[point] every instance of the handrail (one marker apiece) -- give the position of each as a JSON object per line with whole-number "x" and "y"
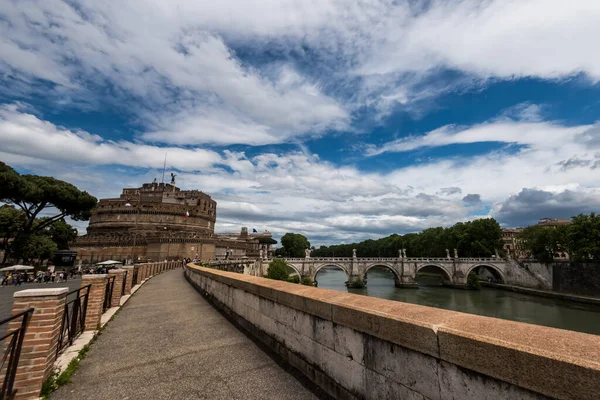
{"x": 12, "y": 352}
{"x": 73, "y": 321}
{"x": 110, "y": 285}
{"x": 124, "y": 285}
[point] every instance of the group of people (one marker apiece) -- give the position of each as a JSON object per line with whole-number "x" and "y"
{"x": 13, "y": 278}
{"x": 18, "y": 278}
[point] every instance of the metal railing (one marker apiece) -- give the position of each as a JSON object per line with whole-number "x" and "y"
{"x": 134, "y": 278}
{"x": 12, "y": 342}
{"x": 110, "y": 285}
{"x": 124, "y": 285}
{"x": 73, "y": 320}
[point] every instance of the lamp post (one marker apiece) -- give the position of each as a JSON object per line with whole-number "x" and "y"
{"x": 135, "y": 230}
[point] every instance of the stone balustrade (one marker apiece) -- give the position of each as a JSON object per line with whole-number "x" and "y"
{"x": 359, "y": 347}
{"x": 40, "y": 344}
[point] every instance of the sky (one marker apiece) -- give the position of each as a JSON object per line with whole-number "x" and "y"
{"x": 340, "y": 119}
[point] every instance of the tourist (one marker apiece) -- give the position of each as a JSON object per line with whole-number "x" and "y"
{"x": 40, "y": 276}
{"x": 53, "y": 277}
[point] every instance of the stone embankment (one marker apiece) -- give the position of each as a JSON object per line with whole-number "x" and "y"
{"x": 366, "y": 348}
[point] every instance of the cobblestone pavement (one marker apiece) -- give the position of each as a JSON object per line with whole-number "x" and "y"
{"x": 167, "y": 342}
{"x": 6, "y": 293}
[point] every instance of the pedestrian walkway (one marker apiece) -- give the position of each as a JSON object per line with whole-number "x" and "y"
{"x": 167, "y": 342}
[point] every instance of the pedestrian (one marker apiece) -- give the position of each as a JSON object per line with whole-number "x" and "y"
{"x": 53, "y": 277}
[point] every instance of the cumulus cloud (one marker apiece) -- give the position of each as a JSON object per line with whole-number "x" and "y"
{"x": 531, "y": 204}
{"x": 24, "y": 135}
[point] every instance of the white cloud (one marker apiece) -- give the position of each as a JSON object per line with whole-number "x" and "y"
{"x": 25, "y": 135}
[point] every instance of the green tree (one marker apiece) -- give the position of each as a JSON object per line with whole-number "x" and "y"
{"x": 543, "y": 243}
{"x": 35, "y": 247}
{"x": 294, "y": 244}
{"x": 62, "y": 234}
{"x": 583, "y": 237}
{"x": 33, "y": 194}
{"x": 278, "y": 270}
{"x": 11, "y": 222}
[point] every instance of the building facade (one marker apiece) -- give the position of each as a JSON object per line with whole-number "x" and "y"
{"x": 158, "y": 221}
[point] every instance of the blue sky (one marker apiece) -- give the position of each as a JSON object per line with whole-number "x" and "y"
{"x": 342, "y": 120}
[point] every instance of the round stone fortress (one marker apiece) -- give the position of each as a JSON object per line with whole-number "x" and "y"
{"x": 158, "y": 221}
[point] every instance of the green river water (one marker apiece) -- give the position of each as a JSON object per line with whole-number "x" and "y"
{"x": 489, "y": 302}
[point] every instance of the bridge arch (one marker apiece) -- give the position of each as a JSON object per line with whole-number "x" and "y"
{"x": 493, "y": 269}
{"x": 384, "y": 265}
{"x": 296, "y": 269}
{"x": 436, "y": 267}
{"x": 318, "y": 267}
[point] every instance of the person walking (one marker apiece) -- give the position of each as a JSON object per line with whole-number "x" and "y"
{"x": 53, "y": 277}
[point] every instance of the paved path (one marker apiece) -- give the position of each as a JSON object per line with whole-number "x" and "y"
{"x": 167, "y": 342}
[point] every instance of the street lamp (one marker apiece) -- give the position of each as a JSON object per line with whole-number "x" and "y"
{"x": 135, "y": 230}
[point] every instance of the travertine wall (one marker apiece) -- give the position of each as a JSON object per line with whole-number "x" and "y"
{"x": 361, "y": 347}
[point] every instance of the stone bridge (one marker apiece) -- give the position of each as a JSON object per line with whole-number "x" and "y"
{"x": 453, "y": 270}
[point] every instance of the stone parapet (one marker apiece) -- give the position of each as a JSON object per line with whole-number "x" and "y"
{"x": 40, "y": 342}
{"x": 361, "y": 347}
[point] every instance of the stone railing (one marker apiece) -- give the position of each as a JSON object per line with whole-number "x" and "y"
{"x": 40, "y": 344}
{"x": 390, "y": 259}
{"x": 361, "y": 347}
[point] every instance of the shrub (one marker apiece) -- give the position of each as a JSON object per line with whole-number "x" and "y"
{"x": 278, "y": 270}
{"x": 307, "y": 281}
{"x": 294, "y": 279}
{"x": 356, "y": 283}
{"x": 473, "y": 280}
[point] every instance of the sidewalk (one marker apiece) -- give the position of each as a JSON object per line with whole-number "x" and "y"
{"x": 167, "y": 342}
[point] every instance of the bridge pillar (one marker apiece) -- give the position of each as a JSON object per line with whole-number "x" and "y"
{"x": 408, "y": 278}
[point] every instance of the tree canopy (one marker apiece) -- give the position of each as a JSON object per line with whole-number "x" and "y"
{"x": 33, "y": 194}
{"x": 294, "y": 245}
{"x": 27, "y": 198}
{"x": 478, "y": 238}
{"x": 580, "y": 239}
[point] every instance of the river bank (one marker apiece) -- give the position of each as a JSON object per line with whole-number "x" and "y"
{"x": 544, "y": 293}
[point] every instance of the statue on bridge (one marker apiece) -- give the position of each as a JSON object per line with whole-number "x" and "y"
{"x": 400, "y": 254}
{"x": 353, "y": 253}
{"x": 448, "y": 254}
{"x": 404, "y": 252}
{"x": 307, "y": 253}
{"x": 455, "y": 253}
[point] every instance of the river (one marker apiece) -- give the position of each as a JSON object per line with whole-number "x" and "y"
{"x": 489, "y": 302}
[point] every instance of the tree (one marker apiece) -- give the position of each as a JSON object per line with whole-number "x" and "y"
{"x": 294, "y": 244}
{"x": 11, "y": 221}
{"x": 583, "y": 237}
{"x": 62, "y": 234}
{"x": 543, "y": 243}
{"x": 35, "y": 247}
{"x": 33, "y": 194}
{"x": 278, "y": 270}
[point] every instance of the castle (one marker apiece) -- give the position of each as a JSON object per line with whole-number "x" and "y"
{"x": 159, "y": 221}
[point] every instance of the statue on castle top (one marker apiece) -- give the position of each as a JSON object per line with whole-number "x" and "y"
{"x": 173, "y": 178}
